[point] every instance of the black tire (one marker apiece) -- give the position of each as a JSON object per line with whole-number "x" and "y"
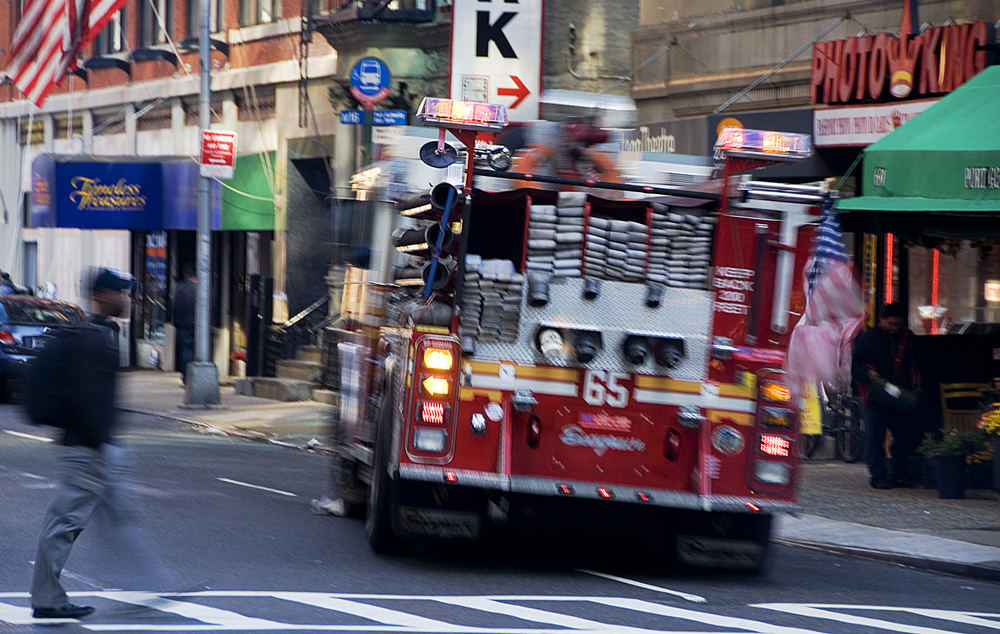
{"x": 851, "y": 434}
{"x": 811, "y": 444}
{"x": 379, "y": 528}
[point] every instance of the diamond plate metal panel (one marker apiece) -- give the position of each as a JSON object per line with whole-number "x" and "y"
{"x": 618, "y": 311}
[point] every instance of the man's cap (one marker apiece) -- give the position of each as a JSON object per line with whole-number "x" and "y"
{"x": 106, "y": 279}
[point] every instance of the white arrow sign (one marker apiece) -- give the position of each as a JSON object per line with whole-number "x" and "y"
{"x": 496, "y": 54}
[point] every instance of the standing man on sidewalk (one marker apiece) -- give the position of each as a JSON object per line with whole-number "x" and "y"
{"x": 885, "y": 367}
{"x": 83, "y": 364}
{"x": 184, "y": 301}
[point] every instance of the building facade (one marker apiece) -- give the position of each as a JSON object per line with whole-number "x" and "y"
{"x": 135, "y": 99}
{"x": 827, "y": 69}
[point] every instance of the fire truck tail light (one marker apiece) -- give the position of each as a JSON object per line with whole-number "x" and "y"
{"x": 565, "y": 489}
{"x": 643, "y": 497}
{"x": 777, "y": 446}
{"x": 605, "y": 493}
{"x": 774, "y": 391}
{"x": 450, "y": 476}
{"x": 772, "y": 473}
{"x": 776, "y": 417}
{"x": 430, "y": 440}
{"x": 432, "y": 413}
{"x": 438, "y": 359}
{"x": 435, "y": 386}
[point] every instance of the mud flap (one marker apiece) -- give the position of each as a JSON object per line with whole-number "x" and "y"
{"x": 715, "y": 552}
{"x": 439, "y": 523}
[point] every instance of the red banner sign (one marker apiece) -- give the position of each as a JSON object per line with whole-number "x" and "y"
{"x": 882, "y": 67}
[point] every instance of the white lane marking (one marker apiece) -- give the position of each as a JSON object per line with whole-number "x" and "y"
{"x": 16, "y": 615}
{"x": 823, "y": 611}
{"x": 204, "y": 613}
{"x": 21, "y": 434}
{"x": 385, "y": 616}
{"x": 485, "y": 604}
{"x": 677, "y": 593}
{"x": 969, "y": 618}
{"x": 256, "y": 486}
{"x": 707, "y": 618}
{"x": 32, "y": 476}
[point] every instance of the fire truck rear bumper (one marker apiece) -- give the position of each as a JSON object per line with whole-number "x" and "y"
{"x": 596, "y": 491}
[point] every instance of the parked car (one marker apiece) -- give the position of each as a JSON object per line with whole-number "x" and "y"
{"x": 26, "y": 324}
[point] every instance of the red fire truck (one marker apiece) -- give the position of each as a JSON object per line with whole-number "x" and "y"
{"x": 556, "y": 359}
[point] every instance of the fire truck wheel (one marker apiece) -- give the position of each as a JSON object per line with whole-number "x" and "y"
{"x": 379, "y": 528}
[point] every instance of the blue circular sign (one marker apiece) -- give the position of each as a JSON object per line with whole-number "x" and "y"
{"x": 370, "y": 80}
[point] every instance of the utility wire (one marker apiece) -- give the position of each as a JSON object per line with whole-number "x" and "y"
{"x": 781, "y": 64}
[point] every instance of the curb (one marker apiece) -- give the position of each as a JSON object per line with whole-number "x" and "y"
{"x": 232, "y": 433}
{"x": 956, "y": 568}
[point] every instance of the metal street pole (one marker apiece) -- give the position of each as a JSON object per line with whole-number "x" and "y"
{"x": 203, "y": 377}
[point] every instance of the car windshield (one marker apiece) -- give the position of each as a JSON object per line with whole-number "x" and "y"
{"x": 39, "y": 312}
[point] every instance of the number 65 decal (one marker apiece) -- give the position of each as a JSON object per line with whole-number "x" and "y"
{"x": 601, "y": 387}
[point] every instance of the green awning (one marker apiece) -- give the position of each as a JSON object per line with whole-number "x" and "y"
{"x": 247, "y": 198}
{"x": 945, "y": 160}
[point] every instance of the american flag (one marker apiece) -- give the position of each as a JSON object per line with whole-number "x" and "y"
{"x": 829, "y": 247}
{"x": 820, "y": 345}
{"x": 49, "y": 38}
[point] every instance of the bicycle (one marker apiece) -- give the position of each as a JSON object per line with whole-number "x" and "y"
{"x": 842, "y": 418}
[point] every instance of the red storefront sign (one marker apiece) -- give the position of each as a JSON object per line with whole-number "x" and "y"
{"x": 883, "y": 67}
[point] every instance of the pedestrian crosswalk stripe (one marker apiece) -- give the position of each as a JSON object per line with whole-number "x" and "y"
{"x": 826, "y": 611}
{"x": 201, "y": 617}
{"x": 486, "y": 604}
{"x": 381, "y": 615}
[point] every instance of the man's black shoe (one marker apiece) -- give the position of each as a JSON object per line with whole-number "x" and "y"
{"x": 880, "y": 484}
{"x": 68, "y": 611}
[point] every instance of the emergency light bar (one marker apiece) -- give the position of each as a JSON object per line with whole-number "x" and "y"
{"x": 777, "y": 145}
{"x": 464, "y": 115}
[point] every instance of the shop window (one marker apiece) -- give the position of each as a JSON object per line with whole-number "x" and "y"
{"x": 216, "y": 17}
{"x": 259, "y": 11}
{"x": 953, "y": 287}
{"x": 112, "y": 38}
{"x": 156, "y": 19}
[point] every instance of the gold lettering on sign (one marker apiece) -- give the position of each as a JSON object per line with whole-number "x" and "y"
{"x": 92, "y": 194}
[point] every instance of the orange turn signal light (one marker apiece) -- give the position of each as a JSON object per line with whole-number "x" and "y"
{"x": 436, "y": 386}
{"x": 438, "y": 359}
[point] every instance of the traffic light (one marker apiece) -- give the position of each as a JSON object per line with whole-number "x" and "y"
{"x": 431, "y": 245}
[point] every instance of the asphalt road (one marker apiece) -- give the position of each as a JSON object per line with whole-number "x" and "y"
{"x": 231, "y": 521}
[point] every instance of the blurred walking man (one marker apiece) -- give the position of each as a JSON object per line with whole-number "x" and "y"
{"x": 83, "y": 405}
{"x": 184, "y": 305}
{"x": 885, "y": 367}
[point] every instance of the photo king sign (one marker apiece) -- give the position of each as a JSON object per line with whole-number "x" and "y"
{"x": 884, "y": 67}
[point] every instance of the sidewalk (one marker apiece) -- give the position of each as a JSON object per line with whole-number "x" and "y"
{"x": 840, "y": 512}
